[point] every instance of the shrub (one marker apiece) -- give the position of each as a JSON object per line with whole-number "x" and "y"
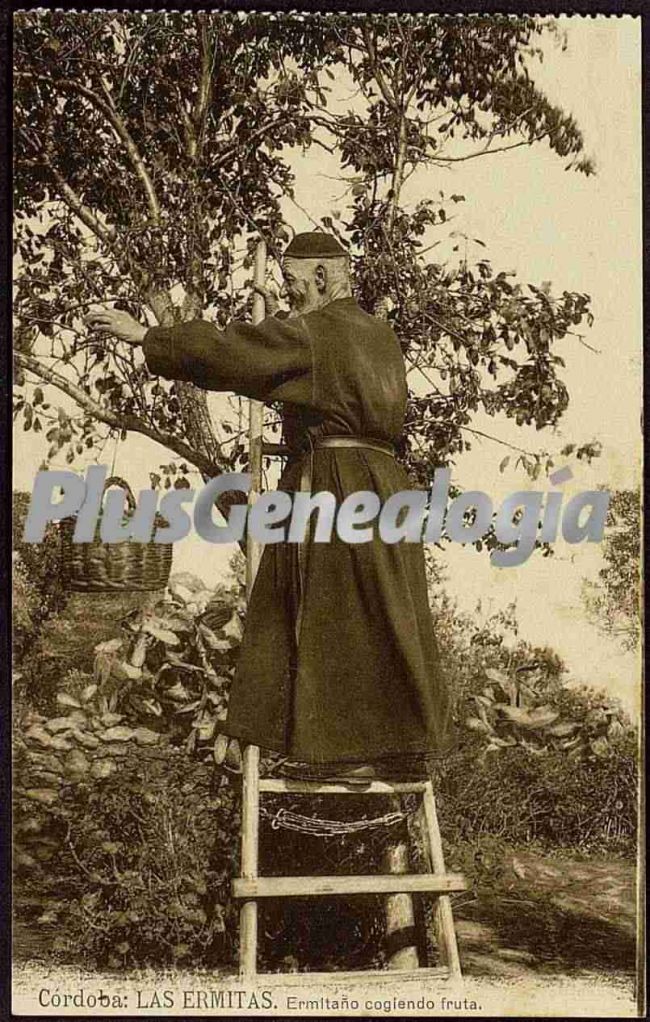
{"x": 127, "y": 824}
{"x": 41, "y": 562}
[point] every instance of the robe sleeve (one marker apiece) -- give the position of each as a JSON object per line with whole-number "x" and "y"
{"x": 266, "y": 362}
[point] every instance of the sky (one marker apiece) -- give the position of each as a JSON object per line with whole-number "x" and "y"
{"x": 582, "y": 234}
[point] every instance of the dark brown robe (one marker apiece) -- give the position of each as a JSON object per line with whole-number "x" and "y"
{"x": 364, "y": 680}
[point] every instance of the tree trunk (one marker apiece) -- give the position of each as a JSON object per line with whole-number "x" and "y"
{"x": 193, "y": 402}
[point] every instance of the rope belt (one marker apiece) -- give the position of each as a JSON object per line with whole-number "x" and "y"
{"x": 325, "y": 442}
{"x": 354, "y": 441}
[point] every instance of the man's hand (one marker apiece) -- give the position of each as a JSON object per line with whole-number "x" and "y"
{"x": 117, "y": 322}
{"x": 271, "y": 300}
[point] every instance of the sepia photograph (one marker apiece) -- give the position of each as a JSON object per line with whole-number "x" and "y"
{"x": 326, "y": 514}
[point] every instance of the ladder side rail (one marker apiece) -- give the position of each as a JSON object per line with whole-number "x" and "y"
{"x": 444, "y": 920}
{"x": 251, "y": 754}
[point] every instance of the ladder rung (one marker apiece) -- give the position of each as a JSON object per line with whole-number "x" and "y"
{"x": 292, "y": 887}
{"x": 281, "y": 785}
{"x": 383, "y": 976}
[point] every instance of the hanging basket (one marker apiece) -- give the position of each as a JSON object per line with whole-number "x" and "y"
{"x": 99, "y": 567}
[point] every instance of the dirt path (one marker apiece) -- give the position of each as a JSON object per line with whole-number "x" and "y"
{"x": 551, "y": 915}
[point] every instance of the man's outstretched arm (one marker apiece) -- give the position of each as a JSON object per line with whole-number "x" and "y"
{"x": 250, "y": 360}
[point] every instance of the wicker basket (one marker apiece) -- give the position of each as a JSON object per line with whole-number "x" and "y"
{"x": 99, "y": 567}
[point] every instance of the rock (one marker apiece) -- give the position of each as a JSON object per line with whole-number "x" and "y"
{"x": 59, "y": 743}
{"x": 144, "y": 736}
{"x": 24, "y": 859}
{"x": 37, "y": 733}
{"x": 103, "y": 768}
{"x": 88, "y": 741}
{"x": 40, "y": 735}
{"x": 120, "y": 748}
{"x": 46, "y": 796}
{"x": 76, "y": 764}
{"x": 117, "y": 734}
{"x": 45, "y": 761}
{"x": 57, "y": 724}
{"x": 45, "y": 778}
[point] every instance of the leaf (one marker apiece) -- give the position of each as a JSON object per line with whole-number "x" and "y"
{"x": 122, "y": 669}
{"x": 188, "y": 581}
{"x": 190, "y": 707}
{"x": 176, "y": 623}
{"x": 599, "y": 746}
{"x": 206, "y": 730}
{"x": 178, "y": 693}
{"x": 152, "y": 706}
{"x": 233, "y": 629}
{"x": 544, "y": 714}
{"x": 474, "y": 724}
{"x": 110, "y": 646}
{"x": 503, "y": 743}
{"x": 220, "y": 748}
{"x": 88, "y": 692}
{"x": 503, "y": 464}
{"x": 182, "y": 593}
{"x": 162, "y": 634}
{"x": 537, "y": 718}
{"x": 63, "y": 699}
{"x": 562, "y": 729}
{"x": 213, "y": 641}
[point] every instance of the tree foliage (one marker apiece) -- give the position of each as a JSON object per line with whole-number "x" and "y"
{"x": 152, "y": 150}
{"x": 614, "y": 599}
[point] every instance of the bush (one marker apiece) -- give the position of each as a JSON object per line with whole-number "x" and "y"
{"x": 127, "y": 823}
{"x": 133, "y": 868}
{"x": 588, "y": 806}
{"x": 41, "y": 562}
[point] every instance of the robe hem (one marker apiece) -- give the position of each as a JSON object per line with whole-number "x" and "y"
{"x": 281, "y": 747}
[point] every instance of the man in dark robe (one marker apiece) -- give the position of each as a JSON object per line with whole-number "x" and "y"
{"x": 339, "y": 666}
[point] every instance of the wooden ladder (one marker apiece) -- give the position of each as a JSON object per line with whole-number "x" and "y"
{"x": 249, "y": 887}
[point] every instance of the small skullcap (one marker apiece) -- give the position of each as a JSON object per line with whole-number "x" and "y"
{"x": 314, "y": 245}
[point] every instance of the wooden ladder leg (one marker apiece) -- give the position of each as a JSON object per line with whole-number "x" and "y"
{"x": 443, "y": 918}
{"x": 400, "y": 917}
{"x": 249, "y": 859}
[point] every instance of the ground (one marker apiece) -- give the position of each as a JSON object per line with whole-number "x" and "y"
{"x": 554, "y": 936}
{"x": 551, "y": 915}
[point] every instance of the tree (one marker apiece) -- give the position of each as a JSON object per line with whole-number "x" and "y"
{"x": 614, "y": 600}
{"x": 151, "y": 153}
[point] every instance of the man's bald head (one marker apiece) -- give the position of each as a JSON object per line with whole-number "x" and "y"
{"x": 312, "y": 283}
{"x": 316, "y": 270}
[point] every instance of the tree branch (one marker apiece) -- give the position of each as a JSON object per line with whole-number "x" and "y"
{"x": 376, "y": 70}
{"x": 85, "y": 214}
{"x": 489, "y": 152}
{"x": 112, "y": 115}
{"x": 202, "y": 104}
{"x": 128, "y": 422}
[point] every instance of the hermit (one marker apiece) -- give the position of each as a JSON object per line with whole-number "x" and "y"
{"x": 340, "y": 669}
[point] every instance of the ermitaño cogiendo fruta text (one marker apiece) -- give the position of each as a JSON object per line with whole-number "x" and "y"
{"x": 522, "y": 520}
